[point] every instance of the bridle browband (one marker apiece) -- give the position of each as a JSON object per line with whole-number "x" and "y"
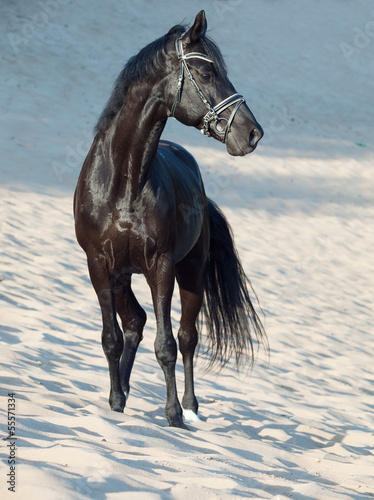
{"x": 213, "y": 112}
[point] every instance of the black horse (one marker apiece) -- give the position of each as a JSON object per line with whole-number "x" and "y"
{"x": 140, "y": 207}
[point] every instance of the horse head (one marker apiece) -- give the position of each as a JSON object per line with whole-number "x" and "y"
{"x": 204, "y": 96}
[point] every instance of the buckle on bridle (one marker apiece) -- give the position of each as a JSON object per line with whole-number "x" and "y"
{"x": 211, "y": 115}
{"x": 216, "y": 123}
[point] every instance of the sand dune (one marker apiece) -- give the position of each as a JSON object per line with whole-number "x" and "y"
{"x": 300, "y": 425}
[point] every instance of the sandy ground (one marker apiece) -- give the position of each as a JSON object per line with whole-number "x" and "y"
{"x": 301, "y": 207}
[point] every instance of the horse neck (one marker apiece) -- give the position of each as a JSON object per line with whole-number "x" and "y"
{"x": 134, "y": 137}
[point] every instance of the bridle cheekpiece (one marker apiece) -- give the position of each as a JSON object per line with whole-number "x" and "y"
{"x": 213, "y": 111}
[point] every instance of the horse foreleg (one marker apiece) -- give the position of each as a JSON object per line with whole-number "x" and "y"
{"x": 112, "y": 338}
{"x": 161, "y": 281}
{"x": 133, "y": 319}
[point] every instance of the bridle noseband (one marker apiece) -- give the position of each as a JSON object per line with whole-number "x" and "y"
{"x": 213, "y": 112}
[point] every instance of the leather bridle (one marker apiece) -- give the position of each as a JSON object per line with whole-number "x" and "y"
{"x": 213, "y": 111}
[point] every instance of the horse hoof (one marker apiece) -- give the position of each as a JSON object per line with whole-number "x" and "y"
{"x": 117, "y": 408}
{"x": 179, "y": 425}
{"x": 177, "y": 422}
{"x": 117, "y": 404}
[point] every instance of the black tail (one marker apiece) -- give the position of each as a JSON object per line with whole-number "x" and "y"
{"x": 230, "y": 317}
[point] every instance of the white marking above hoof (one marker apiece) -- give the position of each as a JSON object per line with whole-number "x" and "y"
{"x": 190, "y": 416}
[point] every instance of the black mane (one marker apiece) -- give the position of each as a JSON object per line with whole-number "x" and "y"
{"x": 148, "y": 61}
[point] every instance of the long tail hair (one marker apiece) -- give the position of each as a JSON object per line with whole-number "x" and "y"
{"x": 230, "y": 318}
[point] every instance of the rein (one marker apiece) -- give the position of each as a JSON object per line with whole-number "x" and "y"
{"x": 213, "y": 111}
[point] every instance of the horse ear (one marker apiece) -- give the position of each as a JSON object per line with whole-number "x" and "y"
{"x": 198, "y": 28}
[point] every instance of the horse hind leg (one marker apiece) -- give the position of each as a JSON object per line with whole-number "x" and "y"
{"x": 112, "y": 337}
{"x": 191, "y": 295}
{"x": 133, "y": 319}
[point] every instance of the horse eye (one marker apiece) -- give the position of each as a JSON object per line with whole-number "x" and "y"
{"x": 205, "y": 77}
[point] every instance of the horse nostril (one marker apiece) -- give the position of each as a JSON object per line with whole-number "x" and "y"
{"x": 255, "y": 136}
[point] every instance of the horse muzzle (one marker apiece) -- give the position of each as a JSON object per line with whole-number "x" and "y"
{"x": 240, "y": 143}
